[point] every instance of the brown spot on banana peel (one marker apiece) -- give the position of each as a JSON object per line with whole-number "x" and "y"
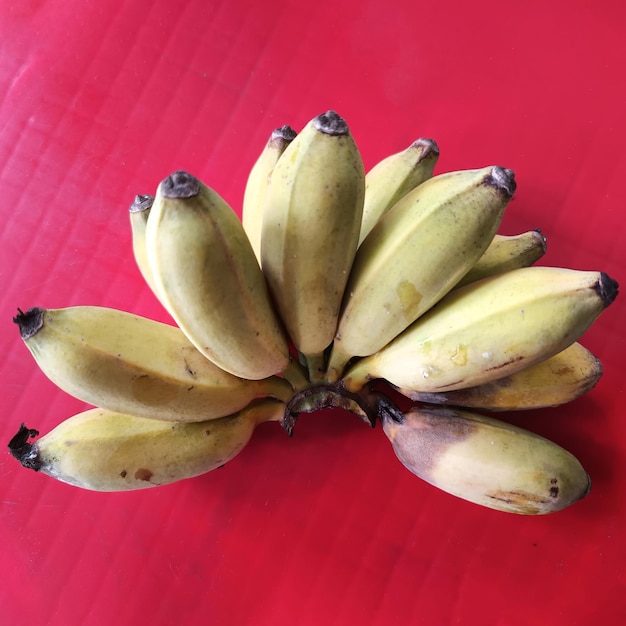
{"x": 143, "y": 474}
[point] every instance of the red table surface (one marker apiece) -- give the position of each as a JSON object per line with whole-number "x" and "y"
{"x": 100, "y": 101}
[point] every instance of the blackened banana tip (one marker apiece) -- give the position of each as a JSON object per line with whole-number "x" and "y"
{"x": 607, "y": 288}
{"x": 141, "y": 203}
{"x": 26, "y": 453}
{"x": 180, "y": 184}
{"x": 29, "y": 322}
{"x": 429, "y": 146}
{"x": 284, "y": 134}
{"x": 331, "y": 123}
{"x": 503, "y": 179}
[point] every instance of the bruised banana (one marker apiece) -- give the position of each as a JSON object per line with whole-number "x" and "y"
{"x": 393, "y": 177}
{"x": 311, "y": 225}
{"x": 555, "y": 381}
{"x": 486, "y": 461}
{"x": 209, "y": 280}
{"x": 131, "y": 364}
{"x": 415, "y": 254}
{"x": 507, "y": 253}
{"x": 103, "y": 450}
{"x": 258, "y": 182}
{"x": 490, "y": 329}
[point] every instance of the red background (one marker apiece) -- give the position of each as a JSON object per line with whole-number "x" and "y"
{"x": 100, "y": 100}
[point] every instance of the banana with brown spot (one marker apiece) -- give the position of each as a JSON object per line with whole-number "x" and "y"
{"x": 486, "y": 461}
{"x": 131, "y": 364}
{"x": 102, "y": 450}
{"x": 490, "y": 329}
{"x": 415, "y": 254}
{"x": 555, "y": 381}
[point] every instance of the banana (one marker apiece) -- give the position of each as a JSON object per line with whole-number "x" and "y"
{"x": 131, "y": 364}
{"x": 311, "y": 225}
{"x": 103, "y": 450}
{"x": 258, "y": 181}
{"x": 555, "y": 381}
{"x": 507, "y": 253}
{"x": 210, "y": 281}
{"x": 415, "y": 254}
{"x": 490, "y": 329}
{"x": 393, "y": 177}
{"x": 486, "y": 461}
{"x": 139, "y": 211}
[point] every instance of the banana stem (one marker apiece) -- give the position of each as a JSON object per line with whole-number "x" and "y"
{"x": 336, "y": 363}
{"x": 295, "y": 374}
{"x": 358, "y": 376}
{"x": 279, "y": 388}
{"x": 316, "y": 364}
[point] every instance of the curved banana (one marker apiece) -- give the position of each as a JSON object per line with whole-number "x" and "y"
{"x": 415, "y": 254}
{"x": 507, "y": 253}
{"x": 311, "y": 225}
{"x": 486, "y": 461}
{"x": 393, "y": 177}
{"x": 257, "y": 184}
{"x": 130, "y": 364}
{"x": 210, "y": 281}
{"x": 490, "y": 329}
{"x": 106, "y": 451}
{"x": 555, "y": 381}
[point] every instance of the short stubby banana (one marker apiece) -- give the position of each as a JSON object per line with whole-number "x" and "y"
{"x": 555, "y": 381}
{"x": 507, "y": 252}
{"x": 490, "y": 329}
{"x": 210, "y": 281}
{"x": 415, "y": 254}
{"x": 486, "y": 461}
{"x": 131, "y": 364}
{"x": 139, "y": 211}
{"x": 258, "y": 182}
{"x": 102, "y": 450}
{"x": 311, "y": 224}
{"x": 393, "y": 177}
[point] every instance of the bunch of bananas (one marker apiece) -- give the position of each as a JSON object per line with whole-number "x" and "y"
{"x": 337, "y": 288}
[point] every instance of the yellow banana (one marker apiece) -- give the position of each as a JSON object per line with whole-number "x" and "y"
{"x": 490, "y": 329}
{"x": 311, "y": 224}
{"x": 415, "y": 254}
{"x": 106, "y": 451}
{"x": 130, "y": 364}
{"x": 507, "y": 253}
{"x": 393, "y": 177}
{"x": 486, "y": 461}
{"x": 210, "y": 281}
{"x": 555, "y": 381}
{"x": 139, "y": 211}
{"x": 258, "y": 181}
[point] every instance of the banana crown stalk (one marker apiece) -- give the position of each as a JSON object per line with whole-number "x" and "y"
{"x": 393, "y": 177}
{"x": 210, "y": 281}
{"x": 415, "y": 254}
{"x": 258, "y": 182}
{"x": 311, "y": 225}
{"x": 103, "y": 450}
{"x": 131, "y": 364}
{"x": 486, "y": 461}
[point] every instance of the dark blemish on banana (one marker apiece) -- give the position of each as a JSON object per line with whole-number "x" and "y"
{"x": 143, "y": 474}
{"x": 123, "y": 473}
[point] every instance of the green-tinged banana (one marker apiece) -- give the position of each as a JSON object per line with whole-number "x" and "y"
{"x": 415, "y": 254}
{"x": 393, "y": 177}
{"x": 311, "y": 226}
{"x": 555, "y": 381}
{"x": 486, "y": 461}
{"x": 210, "y": 281}
{"x": 490, "y": 329}
{"x": 130, "y": 364}
{"x": 258, "y": 181}
{"x": 139, "y": 211}
{"x": 507, "y": 253}
{"x": 106, "y": 451}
